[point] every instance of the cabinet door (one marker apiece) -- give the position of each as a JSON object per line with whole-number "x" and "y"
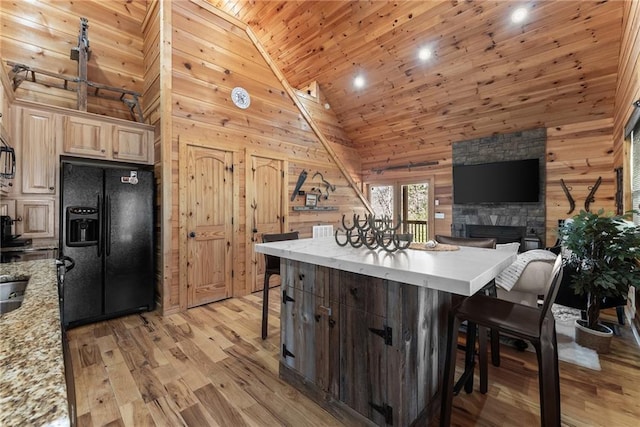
{"x": 8, "y": 207}
{"x": 306, "y": 326}
{"x": 364, "y": 363}
{"x": 37, "y": 138}
{"x": 36, "y": 218}
{"x": 131, "y": 144}
{"x": 85, "y": 137}
{"x": 4, "y": 106}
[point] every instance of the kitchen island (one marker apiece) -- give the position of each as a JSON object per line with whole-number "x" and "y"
{"x": 32, "y": 374}
{"x": 363, "y": 332}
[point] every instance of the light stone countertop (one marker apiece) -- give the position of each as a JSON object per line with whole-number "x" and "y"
{"x": 464, "y": 271}
{"x": 33, "y": 390}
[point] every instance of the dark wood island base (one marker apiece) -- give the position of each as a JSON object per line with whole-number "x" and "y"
{"x": 369, "y": 350}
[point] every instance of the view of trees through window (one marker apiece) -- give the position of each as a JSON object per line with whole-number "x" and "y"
{"x": 417, "y": 201}
{"x": 382, "y": 200}
{"x": 413, "y": 205}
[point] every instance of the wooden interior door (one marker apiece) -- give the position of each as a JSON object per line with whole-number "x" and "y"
{"x": 265, "y": 190}
{"x": 209, "y": 213}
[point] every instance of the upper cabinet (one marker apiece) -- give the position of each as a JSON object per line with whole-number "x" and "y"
{"x": 132, "y": 144}
{"x": 97, "y": 138}
{"x": 85, "y": 137}
{"x": 37, "y": 152}
{"x": 4, "y": 106}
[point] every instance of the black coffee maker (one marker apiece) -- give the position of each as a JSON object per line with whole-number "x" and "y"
{"x": 7, "y": 238}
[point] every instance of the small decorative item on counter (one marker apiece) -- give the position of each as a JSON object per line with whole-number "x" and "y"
{"x": 431, "y": 244}
{"x": 373, "y": 233}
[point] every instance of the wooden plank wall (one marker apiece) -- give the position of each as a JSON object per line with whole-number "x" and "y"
{"x": 152, "y": 111}
{"x": 319, "y": 108}
{"x": 41, "y": 33}
{"x": 210, "y": 56}
{"x": 627, "y": 88}
{"x": 579, "y": 154}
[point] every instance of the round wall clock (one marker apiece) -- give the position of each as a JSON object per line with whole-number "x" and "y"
{"x": 240, "y": 97}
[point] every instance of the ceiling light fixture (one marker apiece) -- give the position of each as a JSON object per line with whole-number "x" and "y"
{"x": 359, "y": 81}
{"x": 519, "y": 15}
{"x": 424, "y": 54}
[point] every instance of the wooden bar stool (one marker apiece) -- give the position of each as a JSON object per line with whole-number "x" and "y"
{"x": 466, "y": 379}
{"x": 271, "y": 267}
{"x": 533, "y": 324}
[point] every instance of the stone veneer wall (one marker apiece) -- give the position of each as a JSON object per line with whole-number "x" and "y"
{"x": 521, "y": 145}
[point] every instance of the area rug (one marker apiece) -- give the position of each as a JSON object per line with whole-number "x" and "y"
{"x": 568, "y": 350}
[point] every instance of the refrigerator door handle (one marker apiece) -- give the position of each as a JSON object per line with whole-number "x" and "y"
{"x": 100, "y": 231}
{"x": 108, "y": 215}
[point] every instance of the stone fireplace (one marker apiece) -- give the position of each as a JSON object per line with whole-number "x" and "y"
{"x": 527, "y": 218}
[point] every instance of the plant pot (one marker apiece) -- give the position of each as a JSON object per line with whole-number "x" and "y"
{"x": 599, "y": 340}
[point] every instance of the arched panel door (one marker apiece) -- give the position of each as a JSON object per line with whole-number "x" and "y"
{"x": 209, "y": 225}
{"x": 265, "y": 190}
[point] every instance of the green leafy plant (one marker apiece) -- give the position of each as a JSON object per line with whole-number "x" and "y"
{"x": 604, "y": 255}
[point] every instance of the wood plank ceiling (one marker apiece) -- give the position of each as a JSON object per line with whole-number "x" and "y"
{"x": 486, "y": 74}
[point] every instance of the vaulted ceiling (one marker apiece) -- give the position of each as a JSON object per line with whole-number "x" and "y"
{"x": 486, "y": 75}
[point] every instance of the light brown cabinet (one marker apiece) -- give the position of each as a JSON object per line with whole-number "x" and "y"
{"x": 8, "y": 207}
{"x": 132, "y": 144}
{"x": 40, "y": 135}
{"x": 6, "y": 98}
{"x": 84, "y": 137}
{"x": 95, "y": 138}
{"x": 37, "y": 151}
{"x": 35, "y": 218}
{"x": 4, "y": 106}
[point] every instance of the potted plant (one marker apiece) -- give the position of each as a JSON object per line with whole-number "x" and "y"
{"x": 603, "y": 262}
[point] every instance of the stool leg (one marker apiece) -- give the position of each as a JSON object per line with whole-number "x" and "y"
{"x": 548, "y": 375}
{"x": 265, "y": 305}
{"x": 495, "y": 347}
{"x": 495, "y": 335}
{"x": 466, "y": 379}
{"x": 482, "y": 356}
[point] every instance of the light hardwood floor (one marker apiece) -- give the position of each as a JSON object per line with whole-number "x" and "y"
{"x": 209, "y": 367}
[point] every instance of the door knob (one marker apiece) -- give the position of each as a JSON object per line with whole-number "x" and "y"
{"x": 192, "y": 234}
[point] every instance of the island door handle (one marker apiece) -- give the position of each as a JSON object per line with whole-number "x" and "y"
{"x": 192, "y": 234}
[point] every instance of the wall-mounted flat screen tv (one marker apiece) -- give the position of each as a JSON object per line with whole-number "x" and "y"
{"x": 501, "y": 182}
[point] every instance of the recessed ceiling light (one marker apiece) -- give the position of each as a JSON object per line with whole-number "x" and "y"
{"x": 424, "y": 54}
{"x": 519, "y": 15}
{"x": 359, "y": 81}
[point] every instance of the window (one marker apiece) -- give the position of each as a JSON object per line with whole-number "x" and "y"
{"x": 410, "y": 201}
{"x": 635, "y": 172}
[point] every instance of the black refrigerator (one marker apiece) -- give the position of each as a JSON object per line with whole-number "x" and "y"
{"x": 106, "y": 227}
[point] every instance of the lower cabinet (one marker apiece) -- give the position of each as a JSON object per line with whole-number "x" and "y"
{"x": 36, "y": 218}
{"x": 33, "y": 218}
{"x": 376, "y": 346}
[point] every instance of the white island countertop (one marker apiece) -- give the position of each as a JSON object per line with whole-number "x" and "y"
{"x": 464, "y": 271}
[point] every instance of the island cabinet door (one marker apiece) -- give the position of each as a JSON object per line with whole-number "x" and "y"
{"x": 305, "y": 325}
{"x": 364, "y": 364}
{"x": 365, "y": 342}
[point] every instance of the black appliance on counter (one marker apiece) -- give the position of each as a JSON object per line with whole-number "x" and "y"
{"x": 7, "y": 238}
{"x": 106, "y": 226}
